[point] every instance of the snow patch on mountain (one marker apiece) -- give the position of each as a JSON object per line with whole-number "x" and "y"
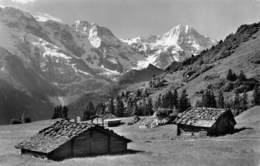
{"x": 80, "y": 71}
{"x": 43, "y": 17}
{"x": 94, "y": 39}
{"x": 146, "y": 62}
{"x": 109, "y": 72}
{"x": 50, "y": 49}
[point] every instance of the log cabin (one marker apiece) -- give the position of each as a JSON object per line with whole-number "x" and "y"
{"x": 65, "y": 139}
{"x": 205, "y": 121}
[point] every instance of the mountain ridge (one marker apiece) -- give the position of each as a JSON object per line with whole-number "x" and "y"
{"x": 49, "y": 62}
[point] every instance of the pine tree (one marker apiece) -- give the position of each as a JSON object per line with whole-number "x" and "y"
{"x": 204, "y": 99}
{"x": 231, "y": 76}
{"x": 119, "y": 107}
{"x": 149, "y": 106}
{"x": 221, "y": 101}
{"x": 60, "y": 112}
{"x": 175, "y": 99}
{"x": 184, "y": 101}
{"x": 138, "y": 93}
{"x": 129, "y": 107}
{"x": 91, "y": 108}
{"x": 135, "y": 108}
{"x": 236, "y": 103}
{"x": 208, "y": 99}
{"x": 100, "y": 109}
{"x": 145, "y": 93}
{"x": 213, "y": 102}
{"x": 165, "y": 101}
{"x": 244, "y": 101}
{"x": 170, "y": 100}
{"x": 122, "y": 94}
{"x": 143, "y": 106}
{"x": 159, "y": 102}
{"x": 256, "y": 96}
{"x": 241, "y": 76}
{"x": 111, "y": 108}
{"x": 89, "y": 111}
{"x": 65, "y": 111}
{"x": 57, "y": 112}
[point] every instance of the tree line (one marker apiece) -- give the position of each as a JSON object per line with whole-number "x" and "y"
{"x": 239, "y": 103}
{"x": 140, "y": 102}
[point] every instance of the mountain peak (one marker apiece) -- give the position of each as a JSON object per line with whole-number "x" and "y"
{"x": 179, "y": 30}
{"x": 177, "y": 44}
{"x": 84, "y": 23}
{"x": 184, "y": 28}
{"x": 97, "y": 35}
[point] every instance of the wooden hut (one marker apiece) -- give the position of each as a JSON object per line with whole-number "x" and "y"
{"x": 205, "y": 121}
{"x": 97, "y": 119}
{"x": 66, "y": 139}
{"x": 113, "y": 122}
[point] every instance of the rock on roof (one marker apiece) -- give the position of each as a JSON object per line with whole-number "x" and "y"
{"x": 200, "y": 117}
{"x": 50, "y": 138}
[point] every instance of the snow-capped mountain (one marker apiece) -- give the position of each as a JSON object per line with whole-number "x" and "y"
{"x": 177, "y": 44}
{"x": 110, "y": 52}
{"x": 44, "y": 61}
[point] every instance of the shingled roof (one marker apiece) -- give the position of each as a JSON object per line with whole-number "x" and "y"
{"x": 200, "y": 117}
{"x": 50, "y": 138}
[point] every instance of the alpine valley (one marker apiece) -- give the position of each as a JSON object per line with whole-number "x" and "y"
{"x": 45, "y": 62}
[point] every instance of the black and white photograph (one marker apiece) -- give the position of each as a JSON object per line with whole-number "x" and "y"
{"x": 129, "y": 82}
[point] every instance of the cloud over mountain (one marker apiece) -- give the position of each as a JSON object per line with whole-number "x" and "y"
{"x": 23, "y": 1}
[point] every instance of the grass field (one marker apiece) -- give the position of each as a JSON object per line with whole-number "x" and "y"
{"x": 159, "y": 146}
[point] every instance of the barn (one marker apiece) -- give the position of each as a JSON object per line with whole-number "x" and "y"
{"x": 205, "y": 121}
{"x": 65, "y": 139}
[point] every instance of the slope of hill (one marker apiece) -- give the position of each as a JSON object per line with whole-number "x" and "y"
{"x": 239, "y": 51}
{"x": 135, "y": 76}
{"x": 249, "y": 118}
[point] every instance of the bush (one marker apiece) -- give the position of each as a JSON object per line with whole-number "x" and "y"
{"x": 163, "y": 113}
{"x": 15, "y": 121}
{"x": 198, "y": 103}
{"x": 228, "y": 87}
{"x": 242, "y": 88}
{"x": 27, "y": 120}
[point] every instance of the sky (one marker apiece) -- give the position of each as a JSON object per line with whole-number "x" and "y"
{"x": 131, "y": 18}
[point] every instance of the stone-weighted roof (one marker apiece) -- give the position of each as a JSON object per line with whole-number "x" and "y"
{"x": 200, "y": 117}
{"x": 50, "y": 138}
